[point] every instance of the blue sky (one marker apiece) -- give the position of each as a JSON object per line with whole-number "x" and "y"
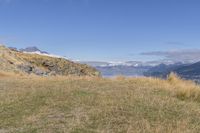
{"x": 102, "y": 30}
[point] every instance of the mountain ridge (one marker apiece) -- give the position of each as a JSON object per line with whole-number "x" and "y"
{"x": 32, "y": 49}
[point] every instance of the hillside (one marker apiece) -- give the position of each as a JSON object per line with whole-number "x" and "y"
{"x": 19, "y": 62}
{"x": 32, "y": 104}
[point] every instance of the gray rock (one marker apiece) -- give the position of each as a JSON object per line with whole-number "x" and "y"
{"x": 39, "y": 72}
{"x": 52, "y": 73}
{"x": 25, "y": 68}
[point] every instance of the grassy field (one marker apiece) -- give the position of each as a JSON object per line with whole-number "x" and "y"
{"x": 30, "y": 104}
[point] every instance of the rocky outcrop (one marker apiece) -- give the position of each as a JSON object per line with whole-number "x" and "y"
{"x": 12, "y": 60}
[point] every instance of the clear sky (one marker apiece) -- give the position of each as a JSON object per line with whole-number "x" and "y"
{"x": 101, "y": 30}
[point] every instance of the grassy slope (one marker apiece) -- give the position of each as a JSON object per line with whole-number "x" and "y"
{"x": 50, "y": 105}
{"x": 11, "y": 60}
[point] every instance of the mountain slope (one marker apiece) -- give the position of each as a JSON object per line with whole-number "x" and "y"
{"x": 163, "y": 70}
{"x": 185, "y": 71}
{"x": 15, "y": 61}
{"x": 191, "y": 72}
{"x": 193, "y": 69}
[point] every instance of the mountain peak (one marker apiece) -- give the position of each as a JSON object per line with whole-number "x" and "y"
{"x": 32, "y": 49}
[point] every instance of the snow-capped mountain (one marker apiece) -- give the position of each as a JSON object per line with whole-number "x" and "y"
{"x": 35, "y": 50}
{"x": 111, "y": 63}
{"x": 127, "y": 63}
{"x": 132, "y": 68}
{"x": 110, "y": 69}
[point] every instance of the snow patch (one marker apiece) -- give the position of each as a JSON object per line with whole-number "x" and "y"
{"x": 44, "y": 54}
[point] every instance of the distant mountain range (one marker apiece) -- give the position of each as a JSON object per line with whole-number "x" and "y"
{"x": 191, "y": 72}
{"x": 126, "y": 63}
{"x": 161, "y": 68}
{"x": 135, "y": 68}
{"x": 125, "y": 70}
{"x": 129, "y": 68}
{"x": 185, "y": 71}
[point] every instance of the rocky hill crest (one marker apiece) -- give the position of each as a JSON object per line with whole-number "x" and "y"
{"x": 20, "y": 62}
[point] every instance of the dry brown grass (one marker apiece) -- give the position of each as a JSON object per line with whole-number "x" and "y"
{"x": 184, "y": 89}
{"x": 2, "y": 74}
{"x": 7, "y": 74}
{"x": 96, "y": 105}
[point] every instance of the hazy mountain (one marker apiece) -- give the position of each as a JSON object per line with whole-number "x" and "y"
{"x": 191, "y": 72}
{"x": 33, "y": 49}
{"x": 133, "y": 68}
{"x": 94, "y": 63}
{"x": 109, "y": 71}
{"x": 185, "y": 71}
{"x": 162, "y": 70}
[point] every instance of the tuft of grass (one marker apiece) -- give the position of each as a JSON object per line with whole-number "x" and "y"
{"x": 184, "y": 89}
{"x": 97, "y": 105}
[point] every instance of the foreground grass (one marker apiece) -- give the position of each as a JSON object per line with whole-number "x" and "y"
{"x": 95, "y": 105}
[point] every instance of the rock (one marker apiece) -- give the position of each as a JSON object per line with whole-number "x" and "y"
{"x": 52, "y": 73}
{"x": 26, "y": 68}
{"x": 47, "y": 64}
{"x": 39, "y": 72}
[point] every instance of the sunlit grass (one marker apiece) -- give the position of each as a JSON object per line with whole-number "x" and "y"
{"x": 97, "y": 105}
{"x": 184, "y": 89}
